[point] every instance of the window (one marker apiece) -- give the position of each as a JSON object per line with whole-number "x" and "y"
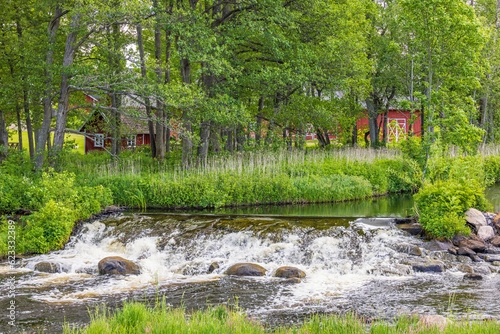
{"x": 99, "y": 140}
{"x": 131, "y": 141}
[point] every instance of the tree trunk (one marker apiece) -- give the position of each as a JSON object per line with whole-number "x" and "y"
{"x": 372, "y": 108}
{"x": 4, "y": 138}
{"x": 160, "y": 115}
{"x": 240, "y": 137}
{"x": 214, "y": 139}
{"x": 321, "y": 139}
{"x": 187, "y": 131}
{"x": 146, "y": 100}
{"x": 259, "y": 117}
{"x": 355, "y": 134}
{"x": 62, "y": 106}
{"x": 29, "y": 127}
{"x": 167, "y": 81}
{"x": 19, "y": 127}
{"x": 204, "y": 143}
{"x": 43, "y": 132}
{"x": 229, "y": 141}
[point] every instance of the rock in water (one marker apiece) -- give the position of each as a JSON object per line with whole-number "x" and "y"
{"x": 433, "y": 321}
{"x": 429, "y": 267}
{"x": 408, "y": 249}
{"x": 47, "y": 267}
{"x": 495, "y": 241}
{"x": 115, "y": 265}
{"x": 289, "y": 272}
{"x": 473, "y": 276}
{"x": 475, "y": 218}
{"x": 212, "y": 267}
{"x": 246, "y": 269}
{"x": 413, "y": 228}
{"x": 486, "y": 232}
{"x": 475, "y": 245}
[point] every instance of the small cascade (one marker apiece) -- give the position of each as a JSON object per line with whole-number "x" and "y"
{"x": 349, "y": 263}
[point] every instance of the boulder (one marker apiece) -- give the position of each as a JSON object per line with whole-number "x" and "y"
{"x": 413, "y": 228}
{"x": 473, "y": 276}
{"x": 212, "y": 267}
{"x": 495, "y": 241}
{"x": 466, "y": 251}
{"x": 496, "y": 219}
{"x": 492, "y": 258}
{"x": 48, "y": 267}
{"x": 475, "y": 245}
{"x": 490, "y": 249}
{"x": 429, "y": 267}
{"x": 289, "y": 272}
{"x": 486, "y": 233}
{"x": 457, "y": 239}
{"x": 116, "y": 265}
{"x": 246, "y": 269}
{"x": 475, "y": 218}
{"x": 437, "y": 246}
{"x": 293, "y": 280}
{"x": 408, "y": 249}
{"x": 433, "y": 321}
{"x": 483, "y": 269}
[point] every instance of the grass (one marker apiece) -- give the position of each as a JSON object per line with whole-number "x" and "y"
{"x": 79, "y": 140}
{"x": 249, "y": 178}
{"x": 138, "y": 318}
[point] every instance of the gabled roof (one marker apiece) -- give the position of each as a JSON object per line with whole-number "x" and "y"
{"x": 135, "y": 123}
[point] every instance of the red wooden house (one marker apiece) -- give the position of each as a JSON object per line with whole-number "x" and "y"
{"x": 398, "y": 125}
{"x": 135, "y": 132}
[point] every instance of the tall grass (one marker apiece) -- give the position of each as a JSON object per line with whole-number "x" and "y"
{"x": 252, "y": 178}
{"x": 139, "y": 318}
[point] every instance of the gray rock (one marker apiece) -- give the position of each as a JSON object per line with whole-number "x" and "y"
{"x": 413, "y": 228}
{"x": 116, "y": 265}
{"x": 464, "y": 259}
{"x": 492, "y": 258}
{"x": 486, "y": 233}
{"x": 48, "y": 267}
{"x": 433, "y": 321}
{"x": 457, "y": 239}
{"x": 465, "y": 251}
{"x": 212, "y": 267}
{"x": 465, "y": 268}
{"x": 483, "y": 269}
{"x": 429, "y": 267}
{"x": 436, "y": 245}
{"x": 475, "y": 218}
{"x": 475, "y": 245}
{"x": 246, "y": 269}
{"x": 476, "y": 258}
{"x": 495, "y": 241}
{"x": 408, "y": 249}
{"x": 289, "y": 272}
{"x": 473, "y": 276}
{"x": 492, "y": 250}
{"x": 292, "y": 280}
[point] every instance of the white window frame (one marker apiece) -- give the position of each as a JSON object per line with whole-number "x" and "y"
{"x": 99, "y": 140}
{"x": 131, "y": 141}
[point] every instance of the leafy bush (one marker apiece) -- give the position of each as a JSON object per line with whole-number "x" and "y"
{"x": 441, "y": 206}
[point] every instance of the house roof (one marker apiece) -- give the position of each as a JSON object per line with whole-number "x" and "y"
{"x": 137, "y": 123}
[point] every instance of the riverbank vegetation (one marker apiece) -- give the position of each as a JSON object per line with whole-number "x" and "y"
{"x": 138, "y": 318}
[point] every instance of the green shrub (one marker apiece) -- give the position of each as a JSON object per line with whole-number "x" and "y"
{"x": 49, "y": 228}
{"x": 441, "y": 206}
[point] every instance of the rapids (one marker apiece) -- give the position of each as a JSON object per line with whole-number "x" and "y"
{"x": 352, "y": 264}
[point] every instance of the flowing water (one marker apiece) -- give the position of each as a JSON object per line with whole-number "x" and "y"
{"x": 352, "y": 264}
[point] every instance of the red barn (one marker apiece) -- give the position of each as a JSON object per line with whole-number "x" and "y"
{"x": 98, "y": 137}
{"x": 398, "y": 125}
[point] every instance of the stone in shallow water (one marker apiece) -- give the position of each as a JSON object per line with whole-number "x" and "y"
{"x": 212, "y": 267}
{"x": 409, "y": 249}
{"x": 429, "y": 267}
{"x": 433, "y": 321}
{"x": 289, "y": 272}
{"x": 48, "y": 267}
{"x": 246, "y": 269}
{"x": 495, "y": 241}
{"x": 413, "y": 229}
{"x": 437, "y": 246}
{"x": 473, "y": 276}
{"x": 475, "y": 245}
{"x": 465, "y": 251}
{"x": 116, "y": 265}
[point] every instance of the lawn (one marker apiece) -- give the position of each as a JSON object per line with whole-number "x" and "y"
{"x": 78, "y": 139}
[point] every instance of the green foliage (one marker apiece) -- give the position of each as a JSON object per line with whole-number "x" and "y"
{"x": 412, "y": 148}
{"x": 441, "y": 205}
